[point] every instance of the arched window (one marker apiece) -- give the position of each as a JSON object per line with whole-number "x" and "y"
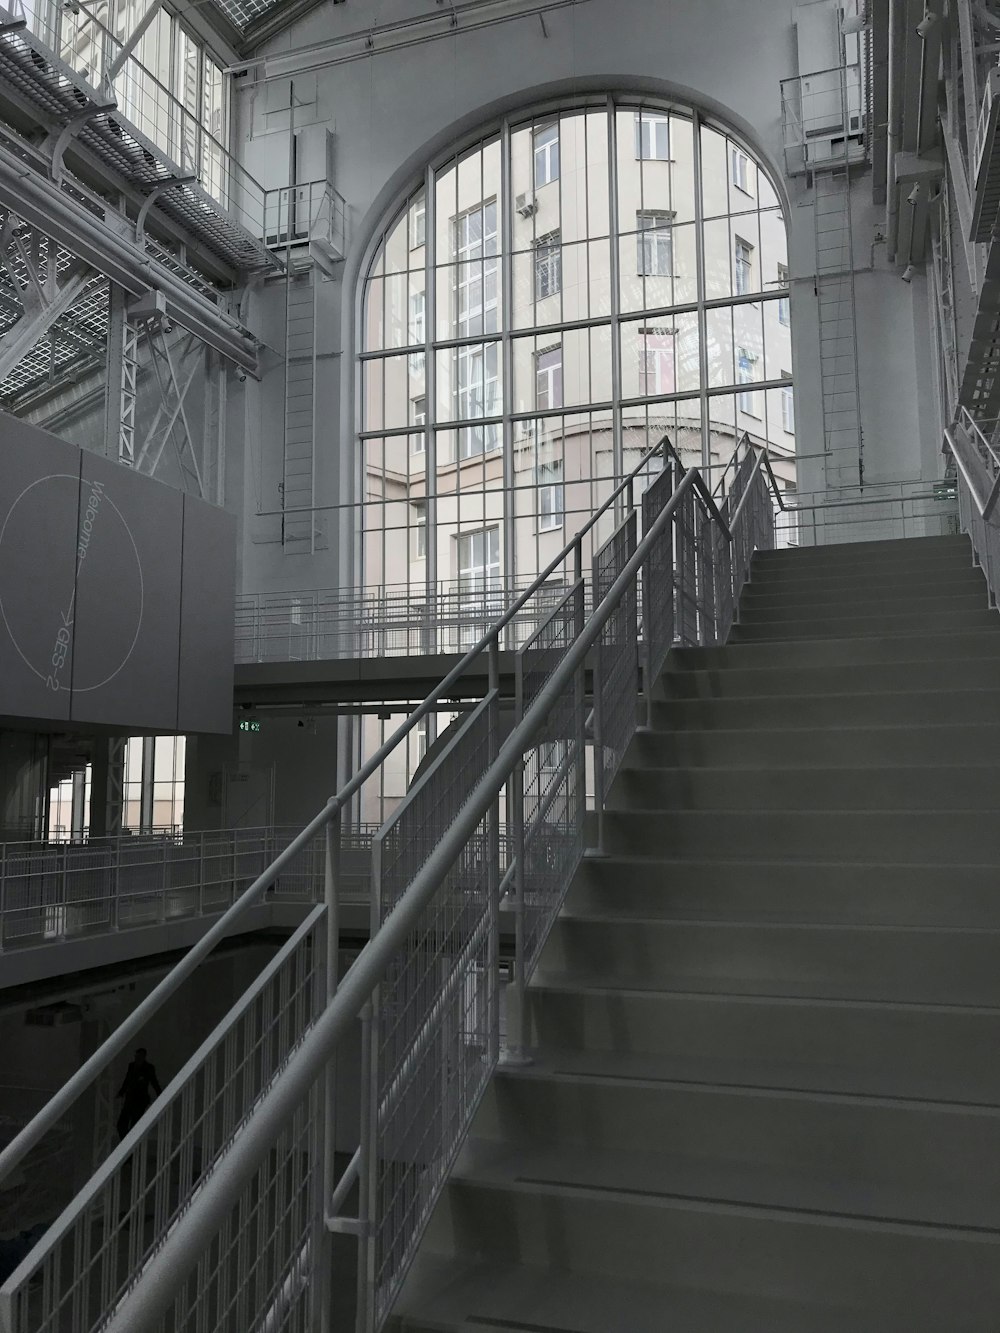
{"x": 550, "y": 301}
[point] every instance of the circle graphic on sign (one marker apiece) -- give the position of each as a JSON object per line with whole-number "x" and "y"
{"x": 73, "y": 615}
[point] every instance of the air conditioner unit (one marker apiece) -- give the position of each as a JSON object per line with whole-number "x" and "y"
{"x": 526, "y": 204}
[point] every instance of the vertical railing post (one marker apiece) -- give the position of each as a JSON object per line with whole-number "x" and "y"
{"x": 115, "y": 877}
{"x": 366, "y": 1173}
{"x": 331, "y": 898}
{"x": 163, "y": 880}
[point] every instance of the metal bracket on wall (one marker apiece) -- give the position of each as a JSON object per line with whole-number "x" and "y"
{"x": 151, "y": 198}
{"x": 69, "y": 132}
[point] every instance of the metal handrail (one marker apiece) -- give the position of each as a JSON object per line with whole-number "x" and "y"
{"x": 984, "y": 503}
{"x": 154, "y": 1289}
{"x": 119, "y": 1041}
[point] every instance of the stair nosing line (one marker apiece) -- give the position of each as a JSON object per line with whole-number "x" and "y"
{"x": 788, "y": 1210}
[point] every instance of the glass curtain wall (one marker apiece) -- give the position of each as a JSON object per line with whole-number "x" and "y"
{"x": 548, "y": 303}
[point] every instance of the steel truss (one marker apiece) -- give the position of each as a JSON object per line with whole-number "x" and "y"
{"x": 53, "y": 310}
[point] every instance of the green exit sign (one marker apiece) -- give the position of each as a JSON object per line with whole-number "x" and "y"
{"x": 249, "y": 724}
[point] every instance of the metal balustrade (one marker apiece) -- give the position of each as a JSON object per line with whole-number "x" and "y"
{"x": 401, "y": 621}
{"x": 250, "y": 1246}
{"x": 977, "y": 468}
{"x": 50, "y": 893}
{"x": 137, "y": 1195}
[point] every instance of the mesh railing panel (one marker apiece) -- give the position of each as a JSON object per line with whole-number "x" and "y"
{"x": 434, "y": 1034}
{"x": 658, "y": 577}
{"x": 723, "y": 574}
{"x": 705, "y": 529}
{"x": 90, "y": 1256}
{"x": 686, "y": 566}
{"x": 742, "y": 545}
{"x": 550, "y": 790}
{"x": 617, "y": 669}
{"x": 411, "y": 833}
{"x": 258, "y": 1270}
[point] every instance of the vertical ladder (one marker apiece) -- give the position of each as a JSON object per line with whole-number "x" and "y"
{"x": 299, "y": 463}
{"x": 838, "y": 333}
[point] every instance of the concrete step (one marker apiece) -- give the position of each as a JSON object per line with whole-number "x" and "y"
{"x": 891, "y": 605}
{"x": 458, "y": 1294}
{"x": 849, "y": 564}
{"x": 767, "y": 712}
{"x": 887, "y": 963}
{"x": 835, "y": 587}
{"x": 919, "y": 647}
{"x": 935, "y": 789}
{"x": 872, "y": 553}
{"x": 972, "y": 673}
{"x": 853, "y": 745}
{"x": 876, "y": 1157}
{"x": 643, "y": 1235}
{"x": 860, "y": 626}
{"x": 816, "y": 891}
{"x": 941, "y": 1053}
{"x": 971, "y": 837}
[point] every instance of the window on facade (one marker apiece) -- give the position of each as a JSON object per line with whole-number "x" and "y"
{"x": 654, "y": 244}
{"x": 745, "y": 400}
{"x": 418, "y": 417}
{"x": 551, "y": 504}
{"x": 478, "y": 556}
{"x": 478, "y": 560}
{"x": 548, "y": 266}
{"x": 743, "y": 267}
{"x": 740, "y": 169}
{"x": 652, "y": 136}
{"x": 546, "y": 150}
{"x": 784, "y": 314}
{"x": 475, "y": 245}
{"x": 418, "y": 222}
{"x": 787, "y": 406}
{"x": 548, "y": 378}
{"x": 477, "y": 395}
{"x": 656, "y": 361}
{"x": 417, "y": 332}
{"x": 418, "y": 528}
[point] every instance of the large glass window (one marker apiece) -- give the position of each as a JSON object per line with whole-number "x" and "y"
{"x": 568, "y": 329}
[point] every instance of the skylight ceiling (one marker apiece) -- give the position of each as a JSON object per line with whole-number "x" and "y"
{"x": 241, "y": 13}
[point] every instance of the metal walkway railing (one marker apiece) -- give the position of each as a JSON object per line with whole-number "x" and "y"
{"x": 226, "y": 1195}
{"x": 54, "y": 892}
{"x": 977, "y": 467}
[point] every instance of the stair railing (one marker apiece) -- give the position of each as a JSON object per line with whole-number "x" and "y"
{"x": 251, "y": 1233}
{"x": 977, "y": 467}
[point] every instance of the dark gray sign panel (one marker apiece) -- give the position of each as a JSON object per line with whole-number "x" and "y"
{"x": 39, "y": 507}
{"x": 205, "y": 689}
{"x": 117, "y": 593}
{"x": 128, "y": 599}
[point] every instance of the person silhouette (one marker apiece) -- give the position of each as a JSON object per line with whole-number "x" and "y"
{"x": 140, "y": 1077}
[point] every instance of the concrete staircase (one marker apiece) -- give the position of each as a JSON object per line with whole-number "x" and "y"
{"x": 766, "y": 1089}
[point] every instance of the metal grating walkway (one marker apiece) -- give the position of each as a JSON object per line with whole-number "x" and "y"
{"x": 52, "y": 86}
